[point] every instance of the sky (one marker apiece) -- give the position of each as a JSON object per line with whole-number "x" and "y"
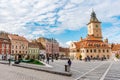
{"x": 64, "y": 20}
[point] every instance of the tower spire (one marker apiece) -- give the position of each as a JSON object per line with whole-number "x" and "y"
{"x": 93, "y": 16}
{"x": 94, "y": 27}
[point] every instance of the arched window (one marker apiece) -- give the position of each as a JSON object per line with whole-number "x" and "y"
{"x": 91, "y": 50}
{"x": 87, "y": 51}
{"x": 103, "y": 50}
{"x": 107, "y": 50}
{"x": 88, "y": 44}
{"x": 95, "y": 50}
{"x": 99, "y": 50}
{"x": 77, "y": 50}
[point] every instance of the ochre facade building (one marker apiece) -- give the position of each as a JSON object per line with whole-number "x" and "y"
{"x": 93, "y": 46}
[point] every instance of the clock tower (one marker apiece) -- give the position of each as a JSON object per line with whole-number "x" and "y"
{"x": 94, "y": 26}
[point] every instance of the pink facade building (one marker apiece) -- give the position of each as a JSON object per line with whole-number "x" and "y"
{"x": 51, "y": 46}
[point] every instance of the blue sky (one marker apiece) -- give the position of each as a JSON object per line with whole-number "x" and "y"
{"x": 64, "y": 20}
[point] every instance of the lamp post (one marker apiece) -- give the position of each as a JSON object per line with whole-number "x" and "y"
{"x": 52, "y": 51}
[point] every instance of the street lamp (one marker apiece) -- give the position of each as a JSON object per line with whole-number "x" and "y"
{"x": 52, "y": 51}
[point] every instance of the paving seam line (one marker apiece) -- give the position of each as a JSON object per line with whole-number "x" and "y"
{"x": 89, "y": 71}
{"x": 103, "y": 76}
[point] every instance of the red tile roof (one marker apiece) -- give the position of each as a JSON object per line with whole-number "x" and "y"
{"x": 91, "y": 42}
{"x": 61, "y": 49}
{"x": 17, "y": 37}
{"x": 115, "y": 47}
{"x": 33, "y": 45}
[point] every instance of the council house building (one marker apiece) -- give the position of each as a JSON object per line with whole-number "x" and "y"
{"x": 93, "y": 46}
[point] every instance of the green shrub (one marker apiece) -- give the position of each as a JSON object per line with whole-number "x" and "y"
{"x": 117, "y": 56}
{"x": 33, "y": 61}
{"x": 37, "y": 62}
{"x": 80, "y": 57}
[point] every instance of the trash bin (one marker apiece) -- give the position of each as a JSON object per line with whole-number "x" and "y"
{"x": 67, "y": 68}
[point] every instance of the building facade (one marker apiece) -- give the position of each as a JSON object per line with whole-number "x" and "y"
{"x": 33, "y": 50}
{"x": 19, "y": 46}
{"x": 5, "y": 46}
{"x": 63, "y": 52}
{"x": 51, "y": 46}
{"x": 115, "y": 50}
{"x": 93, "y": 45}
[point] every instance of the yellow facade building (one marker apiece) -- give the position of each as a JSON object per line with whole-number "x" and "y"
{"x": 93, "y": 45}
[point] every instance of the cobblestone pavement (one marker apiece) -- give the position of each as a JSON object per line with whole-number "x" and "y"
{"x": 16, "y": 73}
{"x": 114, "y": 72}
{"x": 78, "y": 68}
{"x": 94, "y": 70}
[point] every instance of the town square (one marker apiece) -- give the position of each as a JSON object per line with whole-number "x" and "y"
{"x": 59, "y": 40}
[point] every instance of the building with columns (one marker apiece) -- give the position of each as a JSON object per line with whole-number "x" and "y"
{"x": 93, "y": 46}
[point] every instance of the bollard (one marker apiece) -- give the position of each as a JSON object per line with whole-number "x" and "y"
{"x": 67, "y": 68}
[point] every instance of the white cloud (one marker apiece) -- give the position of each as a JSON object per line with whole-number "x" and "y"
{"x": 64, "y": 14}
{"x": 69, "y": 42}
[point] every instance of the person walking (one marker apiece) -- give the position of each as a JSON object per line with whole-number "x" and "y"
{"x": 43, "y": 58}
{"x": 9, "y": 61}
{"x": 48, "y": 60}
{"x": 69, "y": 62}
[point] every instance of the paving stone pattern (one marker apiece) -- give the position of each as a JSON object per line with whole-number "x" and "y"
{"x": 80, "y": 69}
{"x": 114, "y": 72}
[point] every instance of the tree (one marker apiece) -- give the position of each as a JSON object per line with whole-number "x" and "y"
{"x": 117, "y": 56}
{"x": 80, "y": 57}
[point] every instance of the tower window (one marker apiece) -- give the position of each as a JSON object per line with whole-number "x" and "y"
{"x": 97, "y": 26}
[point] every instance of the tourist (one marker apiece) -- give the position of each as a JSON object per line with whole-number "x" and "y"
{"x": 43, "y": 58}
{"x": 48, "y": 60}
{"x": 9, "y": 61}
{"x": 69, "y": 62}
